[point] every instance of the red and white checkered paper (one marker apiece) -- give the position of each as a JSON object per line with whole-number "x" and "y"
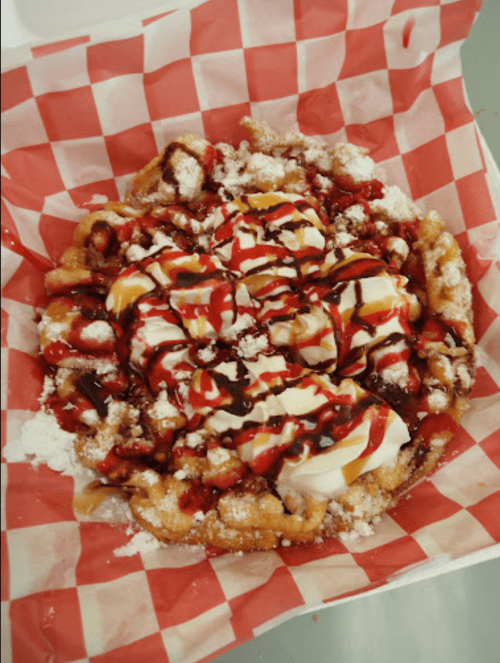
{"x": 79, "y": 117}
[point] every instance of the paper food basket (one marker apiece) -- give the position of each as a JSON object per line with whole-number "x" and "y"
{"x": 79, "y": 117}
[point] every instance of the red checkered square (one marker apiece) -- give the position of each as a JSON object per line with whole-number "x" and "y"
{"x": 411, "y": 134}
{"x": 384, "y": 561}
{"x": 422, "y": 506}
{"x": 486, "y": 512}
{"x": 491, "y": 447}
{"x": 35, "y": 557}
{"x": 321, "y": 580}
{"x": 404, "y": 5}
{"x": 171, "y": 90}
{"x": 258, "y": 606}
{"x": 484, "y": 385}
{"x": 25, "y": 378}
{"x": 365, "y": 98}
{"x": 271, "y": 71}
{"x": 319, "y": 18}
{"x": 428, "y": 167}
{"x": 319, "y": 111}
{"x": 456, "y": 20}
{"x": 184, "y": 593}
{"x": 26, "y": 284}
{"x": 115, "y": 58}
{"x": 450, "y": 96}
{"x": 54, "y": 495}
{"x": 117, "y": 111}
{"x": 26, "y": 225}
{"x": 82, "y": 196}
{"x": 320, "y": 61}
{"x": 39, "y": 159}
{"x": 116, "y": 613}
{"x": 130, "y": 150}
{"x": 47, "y": 626}
{"x": 57, "y": 235}
{"x": 475, "y": 200}
{"x": 17, "y": 195}
{"x": 99, "y": 541}
{"x": 5, "y": 578}
{"x": 215, "y": 26}
{"x": 365, "y": 51}
{"x": 145, "y": 650}
{"x": 73, "y": 157}
{"x": 55, "y": 47}
{"x": 410, "y": 36}
{"x": 377, "y": 136}
{"x": 407, "y": 84}
{"x": 4, "y": 329}
{"x": 222, "y": 124}
{"x": 264, "y": 22}
{"x": 309, "y": 552}
{"x": 69, "y": 114}
{"x": 16, "y": 88}
{"x": 221, "y": 79}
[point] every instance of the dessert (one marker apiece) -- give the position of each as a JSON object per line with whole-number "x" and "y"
{"x": 262, "y": 344}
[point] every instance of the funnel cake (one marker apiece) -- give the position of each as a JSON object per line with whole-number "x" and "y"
{"x": 262, "y": 344}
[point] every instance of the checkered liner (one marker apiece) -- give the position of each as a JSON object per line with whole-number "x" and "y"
{"x": 79, "y": 117}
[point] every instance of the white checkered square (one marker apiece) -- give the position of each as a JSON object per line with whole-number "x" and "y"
{"x": 420, "y": 124}
{"x": 22, "y": 126}
{"x": 363, "y": 14}
{"x": 173, "y": 557}
{"x": 167, "y": 40}
{"x": 5, "y": 376}
{"x": 280, "y": 113}
{"x": 44, "y": 557}
{"x": 3, "y": 489}
{"x": 238, "y": 575}
{"x": 64, "y": 70}
{"x": 62, "y": 206}
{"x": 6, "y": 641}
{"x": 386, "y": 531}
{"x": 446, "y": 200}
{"x": 424, "y": 37}
{"x": 320, "y": 61}
{"x": 446, "y": 64}
{"x": 469, "y": 478}
{"x": 221, "y": 79}
{"x": 82, "y": 161}
{"x": 172, "y": 127}
{"x": 461, "y": 533}
{"x": 365, "y": 98}
{"x": 116, "y": 613}
{"x": 199, "y": 637}
{"x": 22, "y": 332}
{"x": 123, "y": 185}
{"x": 264, "y": 23}
{"x": 27, "y": 221}
{"x": 392, "y": 172}
{"x": 121, "y": 103}
{"x": 464, "y": 150}
{"x": 489, "y": 287}
{"x": 325, "y": 578}
{"x": 481, "y": 419}
{"x": 10, "y": 264}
